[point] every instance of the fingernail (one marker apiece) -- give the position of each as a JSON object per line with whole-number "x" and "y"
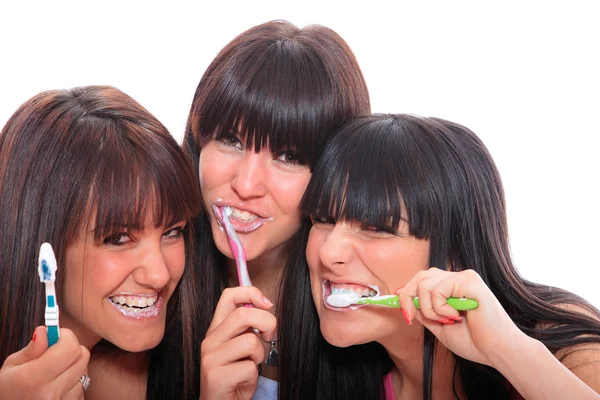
{"x": 446, "y": 321}
{"x": 34, "y": 337}
{"x": 457, "y": 319}
{"x": 267, "y": 301}
{"x": 399, "y": 289}
{"x": 406, "y": 317}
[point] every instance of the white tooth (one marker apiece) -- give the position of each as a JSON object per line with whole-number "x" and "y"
{"x": 372, "y": 293}
{"x": 129, "y": 300}
{"x": 365, "y": 292}
{"x": 334, "y": 290}
{"x": 151, "y": 302}
{"x": 121, "y": 299}
{"x": 243, "y": 215}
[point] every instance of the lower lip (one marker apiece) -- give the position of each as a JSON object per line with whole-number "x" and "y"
{"x": 149, "y": 312}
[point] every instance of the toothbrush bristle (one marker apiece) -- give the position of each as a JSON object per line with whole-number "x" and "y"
{"x": 46, "y": 271}
{"x": 47, "y": 263}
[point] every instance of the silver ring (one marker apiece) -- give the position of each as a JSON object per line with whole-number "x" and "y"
{"x": 85, "y": 381}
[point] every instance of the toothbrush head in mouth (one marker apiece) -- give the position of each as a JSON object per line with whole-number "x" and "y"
{"x": 341, "y": 296}
{"x": 240, "y": 220}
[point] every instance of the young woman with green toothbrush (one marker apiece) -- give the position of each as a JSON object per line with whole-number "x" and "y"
{"x": 414, "y": 207}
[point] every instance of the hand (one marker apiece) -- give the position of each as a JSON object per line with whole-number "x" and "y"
{"x": 230, "y": 352}
{"x": 39, "y": 372}
{"x": 476, "y": 335}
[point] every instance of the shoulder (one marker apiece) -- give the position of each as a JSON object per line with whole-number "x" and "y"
{"x": 583, "y": 359}
{"x": 116, "y": 374}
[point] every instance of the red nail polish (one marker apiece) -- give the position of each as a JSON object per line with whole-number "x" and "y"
{"x": 457, "y": 319}
{"x": 446, "y": 321}
{"x": 398, "y": 289}
{"x": 406, "y": 317}
{"x": 33, "y": 337}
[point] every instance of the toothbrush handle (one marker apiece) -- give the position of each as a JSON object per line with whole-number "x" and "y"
{"x": 458, "y": 303}
{"x": 53, "y": 334}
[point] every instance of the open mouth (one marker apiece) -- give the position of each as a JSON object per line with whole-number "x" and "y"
{"x": 351, "y": 290}
{"x": 137, "y": 306}
{"x": 241, "y": 220}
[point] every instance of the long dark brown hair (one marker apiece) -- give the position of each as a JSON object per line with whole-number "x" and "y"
{"x": 282, "y": 88}
{"x": 91, "y": 153}
{"x": 444, "y": 177}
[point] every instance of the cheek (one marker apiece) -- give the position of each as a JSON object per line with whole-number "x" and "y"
{"x": 175, "y": 257}
{"x": 213, "y": 169}
{"x": 290, "y": 190}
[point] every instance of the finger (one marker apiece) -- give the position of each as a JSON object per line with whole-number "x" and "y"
{"x": 232, "y": 298}
{"x": 57, "y": 358}
{"x": 237, "y": 323}
{"x": 424, "y": 292}
{"x": 439, "y": 299}
{"x": 72, "y": 374}
{"x": 34, "y": 349}
{"x": 228, "y": 378}
{"x": 410, "y": 291}
{"x": 246, "y": 346}
{"x": 75, "y": 392}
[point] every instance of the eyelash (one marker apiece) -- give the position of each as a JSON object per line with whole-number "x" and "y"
{"x": 231, "y": 140}
{"x": 328, "y": 220}
{"x": 283, "y": 155}
{"x": 115, "y": 239}
{"x": 331, "y": 221}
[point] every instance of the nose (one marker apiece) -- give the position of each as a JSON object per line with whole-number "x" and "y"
{"x": 336, "y": 251}
{"x": 152, "y": 270}
{"x": 249, "y": 179}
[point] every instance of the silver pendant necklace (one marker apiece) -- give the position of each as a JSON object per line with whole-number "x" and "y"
{"x": 273, "y": 357}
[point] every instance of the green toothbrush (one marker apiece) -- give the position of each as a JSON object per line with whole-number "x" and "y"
{"x": 347, "y": 299}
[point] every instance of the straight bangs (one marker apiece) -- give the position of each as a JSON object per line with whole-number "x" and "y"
{"x": 279, "y": 88}
{"x": 140, "y": 183}
{"x": 386, "y": 177}
{"x": 272, "y": 100}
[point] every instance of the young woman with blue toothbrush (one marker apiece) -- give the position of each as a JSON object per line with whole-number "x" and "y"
{"x": 94, "y": 174}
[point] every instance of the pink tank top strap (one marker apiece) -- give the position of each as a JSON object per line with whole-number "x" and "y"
{"x": 388, "y": 384}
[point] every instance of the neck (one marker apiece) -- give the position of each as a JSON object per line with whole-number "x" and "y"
{"x": 407, "y": 355}
{"x": 265, "y": 272}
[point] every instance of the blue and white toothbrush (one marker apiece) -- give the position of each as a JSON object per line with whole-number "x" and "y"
{"x": 47, "y": 272}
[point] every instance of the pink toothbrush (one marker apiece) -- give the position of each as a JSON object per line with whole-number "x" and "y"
{"x": 237, "y": 248}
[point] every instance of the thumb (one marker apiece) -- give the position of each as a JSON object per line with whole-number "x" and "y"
{"x": 34, "y": 349}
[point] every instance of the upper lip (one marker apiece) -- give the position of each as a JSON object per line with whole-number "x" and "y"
{"x": 155, "y": 294}
{"x": 349, "y": 282}
{"x": 242, "y": 208}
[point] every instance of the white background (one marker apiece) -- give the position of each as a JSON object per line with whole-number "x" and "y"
{"x": 524, "y": 76}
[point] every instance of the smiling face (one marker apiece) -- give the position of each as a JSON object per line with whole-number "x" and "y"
{"x": 347, "y": 256}
{"x": 264, "y": 189}
{"x": 117, "y": 288}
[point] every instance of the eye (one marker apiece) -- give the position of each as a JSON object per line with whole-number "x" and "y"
{"x": 322, "y": 221}
{"x": 174, "y": 233}
{"x": 230, "y": 139}
{"x": 380, "y": 231}
{"x": 288, "y": 157}
{"x": 117, "y": 239}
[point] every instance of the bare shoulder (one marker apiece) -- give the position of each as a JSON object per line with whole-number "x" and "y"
{"x": 116, "y": 374}
{"x": 582, "y": 359}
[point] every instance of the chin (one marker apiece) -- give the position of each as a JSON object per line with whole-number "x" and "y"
{"x": 341, "y": 337}
{"x": 139, "y": 344}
